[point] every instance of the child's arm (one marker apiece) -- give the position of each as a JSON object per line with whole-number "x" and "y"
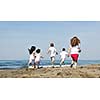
{"x": 56, "y": 52}
{"x": 67, "y": 54}
{"x": 69, "y": 50}
{"x": 79, "y": 48}
{"x": 41, "y": 56}
{"x": 48, "y": 51}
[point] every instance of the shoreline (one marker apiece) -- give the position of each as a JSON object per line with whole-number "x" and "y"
{"x": 46, "y": 66}
{"x": 87, "y": 71}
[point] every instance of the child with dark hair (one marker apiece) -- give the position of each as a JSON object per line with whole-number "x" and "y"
{"x": 32, "y": 56}
{"x": 63, "y": 55}
{"x": 52, "y": 52}
{"x": 37, "y": 58}
{"x": 74, "y": 50}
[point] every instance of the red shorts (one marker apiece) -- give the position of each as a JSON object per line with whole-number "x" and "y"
{"x": 74, "y": 57}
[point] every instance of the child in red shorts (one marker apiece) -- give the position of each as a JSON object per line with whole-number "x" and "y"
{"x": 74, "y": 50}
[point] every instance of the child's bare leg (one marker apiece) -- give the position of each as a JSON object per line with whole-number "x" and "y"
{"x": 61, "y": 62}
{"x": 72, "y": 63}
{"x": 38, "y": 63}
{"x": 52, "y": 61}
{"x": 34, "y": 65}
{"x": 75, "y": 64}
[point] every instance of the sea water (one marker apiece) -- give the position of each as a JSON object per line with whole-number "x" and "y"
{"x": 13, "y": 64}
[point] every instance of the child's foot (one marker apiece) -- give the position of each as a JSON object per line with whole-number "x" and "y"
{"x": 26, "y": 69}
{"x": 74, "y": 67}
{"x": 52, "y": 66}
{"x": 71, "y": 65}
{"x": 41, "y": 67}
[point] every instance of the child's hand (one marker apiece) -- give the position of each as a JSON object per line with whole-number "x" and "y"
{"x": 68, "y": 55}
{"x": 56, "y": 53}
{"x": 42, "y": 57}
{"x": 79, "y": 51}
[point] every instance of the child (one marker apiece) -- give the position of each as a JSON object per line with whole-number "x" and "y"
{"x": 63, "y": 55}
{"x": 32, "y": 56}
{"x": 74, "y": 50}
{"x": 52, "y": 52}
{"x": 37, "y": 58}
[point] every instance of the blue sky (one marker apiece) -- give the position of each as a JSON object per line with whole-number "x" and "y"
{"x": 17, "y": 37}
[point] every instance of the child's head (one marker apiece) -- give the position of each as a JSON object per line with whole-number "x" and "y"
{"x": 74, "y": 41}
{"x": 51, "y": 44}
{"x": 38, "y": 51}
{"x": 63, "y": 49}
{"x": 31, "y": 50}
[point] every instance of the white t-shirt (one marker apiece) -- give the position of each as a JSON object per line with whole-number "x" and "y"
{"x": 63, "y": 54}
{"x": 32, "y": 57}
{"x": 75, "y": 49}
{"x": 38, "y": 57}
{"x": 52, "y": 51}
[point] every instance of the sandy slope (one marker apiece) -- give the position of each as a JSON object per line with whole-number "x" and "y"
{"x": 90, "y": 71}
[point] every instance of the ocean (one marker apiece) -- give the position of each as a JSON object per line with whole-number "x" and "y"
{"x": 15, "y": 64}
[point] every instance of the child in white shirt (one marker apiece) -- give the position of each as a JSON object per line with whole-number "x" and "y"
{"x": 63, "y": 55}
{"x": 37, "y": 58}
{"x": 32, "y": 56}
{"x": 52, "y": 52}
{"x": 74, "y": 51}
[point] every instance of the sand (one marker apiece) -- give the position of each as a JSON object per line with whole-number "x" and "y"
{"x": 89, "y": 71}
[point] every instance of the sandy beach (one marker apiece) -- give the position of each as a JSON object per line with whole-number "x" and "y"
{"x": 89, "y": 71}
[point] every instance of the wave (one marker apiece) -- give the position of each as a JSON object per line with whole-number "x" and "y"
{"x": 9, "y": 64}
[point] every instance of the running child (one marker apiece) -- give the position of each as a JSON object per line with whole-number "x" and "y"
{"x": 63, "y": 55}
{"x": 53, "y": 53}
{"x": 32, "y": 56}
{"x": 38, "y": 57}
{"x": 74, "y": 50}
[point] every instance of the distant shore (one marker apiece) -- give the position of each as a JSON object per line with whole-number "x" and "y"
{"x": 87, "y": 71}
